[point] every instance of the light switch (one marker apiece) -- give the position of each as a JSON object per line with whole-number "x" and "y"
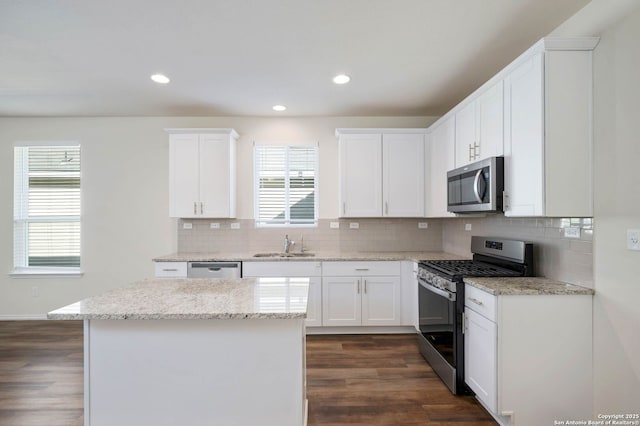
{"x": 235, "y": 225}
{"x": 467, "y": 227}
{"x": 633, "y": 239}
{"x": 354, "y": 225}
{"x": 187, "y": 226}
{"x": 214, "y": 225}
{"x": 572, "y": 232}
{"x": 334, "y": 225}
{"x": 423, "y": 225}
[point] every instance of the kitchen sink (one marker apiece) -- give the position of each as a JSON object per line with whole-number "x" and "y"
{"x": 284, "y": 255}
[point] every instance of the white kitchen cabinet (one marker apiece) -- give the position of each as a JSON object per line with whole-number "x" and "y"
{"x": 480, "y": 362}
{"x": 479, "y": 127}
{"x": 440, "y": 159}
{"x": 292, "y": 269}
{"x": 170, "y": 269}
{"x": 524, "y": 348}
{"x": 202, "y": 173}
{"x": 361, "y": 175}
{"x": 403, "y": 175}
{"x": 361, "y": 293}
{"x": 548, "y": 120}
{"x": 381, "y": 172}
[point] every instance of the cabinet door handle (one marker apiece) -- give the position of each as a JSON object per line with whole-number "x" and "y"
{"x": 476, "y": 301}
{"x": 471, "y": 154}
{"x": 170, "y": 270}
{"x": 344, "y": 208}
{"x": 365, "y": 286}
{"x": 362, "y": 269}
{"x": 201, "y": 207}
{"x": 476, "y": 147}
{"x": 358, "y": 286}
{"x": 386, "y": 207}
{"x": 195, "y": 208}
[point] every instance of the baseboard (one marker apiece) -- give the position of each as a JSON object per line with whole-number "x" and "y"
{"x": 23, "y": 317}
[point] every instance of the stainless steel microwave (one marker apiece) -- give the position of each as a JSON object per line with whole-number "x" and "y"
{"x": 476, "y": 187}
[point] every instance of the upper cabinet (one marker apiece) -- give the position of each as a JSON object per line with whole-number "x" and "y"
{"x": 381, "y": 172}
{"x": 536, "y": 113}
{"x": 548, "y": 121}
{"x": 439, "y": 160}
{"x": 479, "y": 127}
{"x": 202, "y": 173}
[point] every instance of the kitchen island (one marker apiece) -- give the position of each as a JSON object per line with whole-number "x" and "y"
{"x": 195, "y": 351}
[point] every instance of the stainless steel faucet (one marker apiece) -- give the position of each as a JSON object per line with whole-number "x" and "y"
{"x": 287, "y": 243}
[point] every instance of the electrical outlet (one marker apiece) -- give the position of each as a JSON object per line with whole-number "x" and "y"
{"x": 467, "y": 227}
{"x": 334, "y": 225}
{"x": 354, "y": 225}
{"x": 423, "y": 225}
{"x": 35, "y": 291}
{"x": 572, "y": 232}
{"x": 187, "y": 226}
{"x": 235, "y": 225}
{"x": 214, "y": 225}
{"x": 633, "y": 239}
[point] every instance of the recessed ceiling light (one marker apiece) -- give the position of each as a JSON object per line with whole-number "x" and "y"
{"x": 341, "y": 79}
{"x": 160, "y": 78}
{"x": 279, "y": 108}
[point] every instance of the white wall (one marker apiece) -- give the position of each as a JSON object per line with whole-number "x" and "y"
{"x": 617, "y": 200}
{"x": 125, "y": 200}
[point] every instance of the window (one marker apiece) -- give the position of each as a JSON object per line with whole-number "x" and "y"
{"x": 285, "y": 185}
{"x": 46, "y": 208}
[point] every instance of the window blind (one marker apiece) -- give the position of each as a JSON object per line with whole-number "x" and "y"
{"x": 47, "y": 207}
{"x": 285, "y": 185}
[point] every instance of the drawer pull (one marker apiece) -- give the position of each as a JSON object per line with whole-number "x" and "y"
{"x": 476, "y": 301}
{"x": 362, "y": 269}
{"x": 170, "y": 270}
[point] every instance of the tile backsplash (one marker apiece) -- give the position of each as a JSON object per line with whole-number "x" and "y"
{"x": 556, "y": 256}
{"x": 372, "y": 235}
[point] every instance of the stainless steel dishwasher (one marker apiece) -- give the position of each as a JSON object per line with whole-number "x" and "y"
{"x": 214, "y": 270}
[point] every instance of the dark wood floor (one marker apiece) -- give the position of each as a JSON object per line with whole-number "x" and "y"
{"x": 351, "y": 380}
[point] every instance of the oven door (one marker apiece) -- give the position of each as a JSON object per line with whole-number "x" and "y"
{"x": 437, "y": 313}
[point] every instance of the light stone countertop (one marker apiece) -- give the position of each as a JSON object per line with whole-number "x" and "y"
{"x": 526, "y": 286}
{"x": 319, "y": 256}
{"x": 195, "y": 298}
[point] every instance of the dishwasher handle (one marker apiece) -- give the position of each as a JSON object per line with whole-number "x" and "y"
{"x": 213, "y": 266}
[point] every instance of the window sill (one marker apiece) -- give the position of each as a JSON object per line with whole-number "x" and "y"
{"x": 45, "y": 273}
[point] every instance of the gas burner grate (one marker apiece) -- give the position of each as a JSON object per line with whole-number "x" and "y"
{"x": 468, "y": 268}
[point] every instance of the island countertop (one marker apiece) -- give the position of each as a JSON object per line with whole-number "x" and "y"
{"x": 195, "y": 298}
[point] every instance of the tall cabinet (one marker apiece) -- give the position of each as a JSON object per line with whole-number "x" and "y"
{"x": 381, "y": 172}
{"x": 202, "y": 174}
{"x": 548, "y": 144}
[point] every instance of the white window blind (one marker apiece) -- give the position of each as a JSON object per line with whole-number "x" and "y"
{"x": 47, "y": 207}
{"x": 285, "y": 185}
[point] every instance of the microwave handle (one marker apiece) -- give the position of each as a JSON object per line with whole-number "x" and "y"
{"x": 476, "y": 183}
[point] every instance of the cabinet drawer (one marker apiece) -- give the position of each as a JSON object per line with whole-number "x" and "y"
{"x": 361, "y": 268}
{"x": 171, "y": 269}
{"x": 281, "y": 269}
{"x": 480, "y": 301}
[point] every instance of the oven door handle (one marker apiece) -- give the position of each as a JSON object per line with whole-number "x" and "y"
{"x": 449, "y": 296}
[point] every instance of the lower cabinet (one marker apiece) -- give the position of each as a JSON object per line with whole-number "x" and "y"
{"x": 313, "y": 270}
{"x": 170, "y": 269}
{"x": 527, "y": 352}
{"x": 361, "y": 293}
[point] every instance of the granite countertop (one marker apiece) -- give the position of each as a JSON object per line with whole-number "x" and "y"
{"x": 319, "y": 256}
{"x": 195, "y": 298}
{"x": 524, "y": 286}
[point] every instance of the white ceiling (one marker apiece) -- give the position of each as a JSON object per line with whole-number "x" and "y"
{"x": 241, "y": 57}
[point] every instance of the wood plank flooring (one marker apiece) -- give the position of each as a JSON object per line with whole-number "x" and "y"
{"x": 351, "y": 380}
{"x": 380, "y": 380}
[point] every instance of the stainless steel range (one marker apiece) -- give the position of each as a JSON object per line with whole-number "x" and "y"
{"x": 441, "y": 304}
